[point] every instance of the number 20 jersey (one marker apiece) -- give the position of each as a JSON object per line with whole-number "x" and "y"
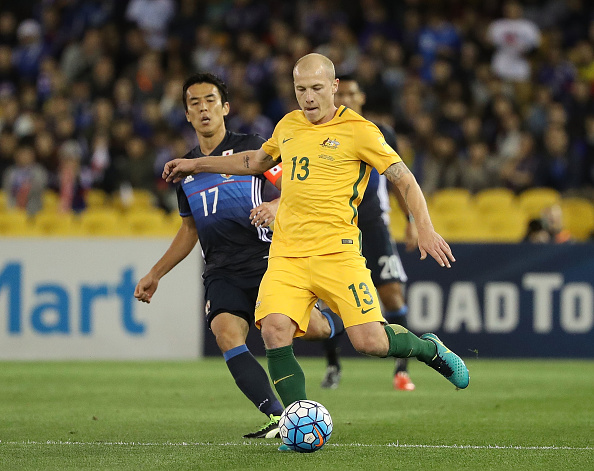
{"x": 220, "y": 205}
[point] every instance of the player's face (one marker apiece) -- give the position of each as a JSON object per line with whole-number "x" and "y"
{"x": 350, "y": 95}
{"x": 205, "y": 111}
{"x": 315, "y": 93}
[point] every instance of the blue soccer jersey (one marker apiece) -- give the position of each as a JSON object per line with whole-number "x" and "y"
{"x": 376, "y": 203}
{"x": 220, "y": 205}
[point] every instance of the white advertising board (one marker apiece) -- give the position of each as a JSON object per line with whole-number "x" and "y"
{"x": 74, "y": 299}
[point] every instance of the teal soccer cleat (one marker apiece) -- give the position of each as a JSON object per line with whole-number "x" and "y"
{"x": 447, "y": 363}
{"x": 284, "y": 447}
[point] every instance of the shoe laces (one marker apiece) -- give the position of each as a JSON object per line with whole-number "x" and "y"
{"x": 273, "y": 421}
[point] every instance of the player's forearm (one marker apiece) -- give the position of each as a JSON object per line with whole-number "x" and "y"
{"x": 252, "y": 162}
{"x": 411, "y": 194}
{"x": 401, "y": 203}
{"x": 180, "y": 248}
{"x": 242, "y": 163}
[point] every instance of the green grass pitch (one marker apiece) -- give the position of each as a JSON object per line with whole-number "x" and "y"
{"x": 515, "y": 415}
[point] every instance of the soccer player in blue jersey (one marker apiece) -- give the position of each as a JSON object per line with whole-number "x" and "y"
{"x": 214, "y": 210}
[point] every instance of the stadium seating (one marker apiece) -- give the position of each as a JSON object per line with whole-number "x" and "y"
{"x": 450, "y": 199}
{"x": 50, "y": 200}
{"x": 534, "y": 200}
{"x": 494, "y": 200}
{"x": 494, "y": 215}
{"x": 578, "y": 217}
{"x": 103, "y": 222}
{"x": 52, "y": 223}
{"x": 502, "y": 226}
{"x": 136, "y": 199}
{"x": 147, "y": 222}
{"x": 96, "y": 198}
{"x": 15, "y": 222}
{"x": 3, "y": 201}
{"x": 457, "y": 226}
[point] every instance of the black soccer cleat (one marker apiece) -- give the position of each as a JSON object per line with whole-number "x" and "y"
{"x": 269, "y": 430}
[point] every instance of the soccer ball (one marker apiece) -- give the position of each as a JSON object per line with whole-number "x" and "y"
{"x": 305, "y": 426}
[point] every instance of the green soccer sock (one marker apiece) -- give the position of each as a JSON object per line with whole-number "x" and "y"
{"x": 405, "y": 344}
{"x": 286, "y": 374}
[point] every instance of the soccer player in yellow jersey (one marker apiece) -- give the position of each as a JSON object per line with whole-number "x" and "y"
{"x": 327, "y": 154}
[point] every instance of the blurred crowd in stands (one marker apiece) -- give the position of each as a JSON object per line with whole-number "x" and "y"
{"x": 481, "y": 93}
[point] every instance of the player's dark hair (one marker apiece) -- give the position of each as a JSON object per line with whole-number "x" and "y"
{"x": 205, "y": 78}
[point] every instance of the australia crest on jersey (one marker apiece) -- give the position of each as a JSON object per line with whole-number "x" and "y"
{"x": 330, "y": 143}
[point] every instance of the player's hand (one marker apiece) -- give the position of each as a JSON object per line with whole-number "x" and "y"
{"x": 411, "y": 236}
{"x": 430, "y": 242}
{"x": 177, "y": 169}
{"x": 145, "y": 288}
{"x": 263, "y": 215}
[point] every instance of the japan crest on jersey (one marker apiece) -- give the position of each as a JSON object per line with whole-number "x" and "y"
{"x": 226, "y": 152}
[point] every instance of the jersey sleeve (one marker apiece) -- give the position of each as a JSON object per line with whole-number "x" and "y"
{"x": 255, "y": 141}
{"x": 271, "y": 146}
{"x": 389, "y": 135}
{"x": 182, "y": 202}
{"x": 373, "y": 148}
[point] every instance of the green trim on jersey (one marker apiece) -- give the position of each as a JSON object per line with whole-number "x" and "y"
{"x": 362, "y": 170}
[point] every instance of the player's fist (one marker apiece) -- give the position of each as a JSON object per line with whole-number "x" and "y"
{"x": 177, "y": 169}
{"x": 145, "y": 288}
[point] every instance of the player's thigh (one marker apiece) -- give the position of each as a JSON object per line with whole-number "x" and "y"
{"x": 381, "y": 255}
{"x": 286, "y": 289}
{"x": 344, "y": 282}
{"x": 225, "y": 295}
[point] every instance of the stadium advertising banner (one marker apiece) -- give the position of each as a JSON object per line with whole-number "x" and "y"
{"x": 74, "y": 299}
{"x": 524, "y": 300}
{"x": 497, "y": 300}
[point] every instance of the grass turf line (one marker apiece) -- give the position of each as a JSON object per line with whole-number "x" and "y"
{"x": 516, "y": 414}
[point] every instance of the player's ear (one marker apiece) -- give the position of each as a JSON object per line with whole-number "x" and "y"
{"x": 226, "y": 108}
{"x": 335, "y": 86}
{"x": 187, "y": 116}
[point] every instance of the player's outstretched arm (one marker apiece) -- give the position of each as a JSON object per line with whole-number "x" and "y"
{"x": 251, "y": 162}
{"x": 411, "y": 236}
{"x": 180, "y": 247}
{"x": 430, "y": 242}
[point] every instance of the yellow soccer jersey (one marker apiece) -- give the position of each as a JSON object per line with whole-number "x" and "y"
{"x": 325, "y": 172}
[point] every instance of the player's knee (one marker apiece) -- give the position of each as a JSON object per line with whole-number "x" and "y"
{"x": 368, "y": 346}
{"x": 277, "y": 331}
{"x": 229, "y": 331}
{"x": 369, "y": 339}
{"x": 228, "y": 340}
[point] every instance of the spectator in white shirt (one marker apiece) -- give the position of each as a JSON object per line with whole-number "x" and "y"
{"x": 513, "y": 37}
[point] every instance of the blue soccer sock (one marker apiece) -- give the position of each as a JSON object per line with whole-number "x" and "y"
{"x": 397, "y": 317}
{"x": 332, "y": 351}
{"x": 252, "y": 380}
